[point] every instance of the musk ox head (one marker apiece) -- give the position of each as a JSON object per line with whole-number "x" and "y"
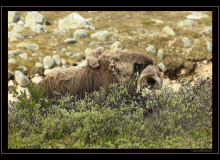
{"x": 150, "y": 76}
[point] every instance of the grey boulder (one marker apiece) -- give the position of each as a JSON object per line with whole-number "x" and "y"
{"x": 21, "y": 79}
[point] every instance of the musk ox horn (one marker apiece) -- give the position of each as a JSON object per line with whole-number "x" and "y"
{"x": 149, "y": 74}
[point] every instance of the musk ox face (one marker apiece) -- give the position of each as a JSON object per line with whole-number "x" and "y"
{"x": 150, "y": 76}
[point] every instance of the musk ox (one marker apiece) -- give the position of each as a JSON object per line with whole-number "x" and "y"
{"x": 102, "y": 69}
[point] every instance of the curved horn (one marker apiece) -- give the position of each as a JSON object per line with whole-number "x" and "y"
{"x": 149, "y": 71}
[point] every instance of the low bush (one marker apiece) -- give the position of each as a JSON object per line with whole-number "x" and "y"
{"x": 164, "y": 119}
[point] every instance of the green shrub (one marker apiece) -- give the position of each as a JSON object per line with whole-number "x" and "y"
{"x": 164, "y": 119}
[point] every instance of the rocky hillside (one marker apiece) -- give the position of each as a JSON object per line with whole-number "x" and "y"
{"x": 179, "y": 41}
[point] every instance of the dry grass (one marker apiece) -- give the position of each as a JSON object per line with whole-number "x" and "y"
{"x": 134, "y": 29}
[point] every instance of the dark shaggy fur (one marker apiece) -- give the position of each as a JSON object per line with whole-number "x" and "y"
{"x": 114, "y": 67}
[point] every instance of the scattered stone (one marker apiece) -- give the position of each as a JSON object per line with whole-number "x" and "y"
{"x": 182, "y": 72}
{"x": 186, "y": 41}
{"x": 209, "y": 46}
{"x": 157, "y": 21}
{"x": 33, "y": 18}
{"x": 20, "y": 88}
{"x": 56, "y": 59}
{"x": 186, "y": 23}
{"x": 63, "y": 66}
{"x": 12, "y": 39}
{"x": 73, "y": 21}
{"x": 78, "y": 55}
{"x": 34, "y": 54}
{"x": 89, "y": 27}
{"x": 15, "y": 34}
{"x": 100, "y": 35}
{"x": 48, "y": 62}
{"x": 196, "y": 15}
{"x": 10, "y": 74}
{"x": 168, "y": 31}
{"x": 13, "y": 53}
{"x": 87, "y": 50}
{"x": 116, "y": 45}
{"x": 23, "y": 69}
{"x": 36, "y": 80}
{"x": 29, "y": 46}
{"x": 23, "y": 55}
{"x": 58, "y": 31}
{"x": 47, "y": 71}
{"x": 208, "y": 30}
{"x": 40, "y": 59}
{"x": 11, "y": 25}
{"x": 11, "y": 86}
{"x": 161, "y": 54}
{"x": 13, "y": 16}
{"x": 70, "y": 41}
{"x": 20, "y": 22}
{"x": 151, "y": 49}
{"x": 37, "y": 28}
{"x": 162, "y": 67}
{"x": 21, "y": 79}
{"x": 63, "y": 61}
{"x": 18, "y": 28}
{"x": 63, "y": 50}
{"x": 12, "y": 61}
{"x": 68, "y": 53}
{"x": 80, "y": 33}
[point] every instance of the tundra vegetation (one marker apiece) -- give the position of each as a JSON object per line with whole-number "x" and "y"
{"x": 164, "y": 119}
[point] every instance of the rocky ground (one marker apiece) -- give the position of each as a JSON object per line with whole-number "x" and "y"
{"x": 179, "y": 41}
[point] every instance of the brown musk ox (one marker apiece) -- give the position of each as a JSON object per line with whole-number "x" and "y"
{"x": 102, "y": 69}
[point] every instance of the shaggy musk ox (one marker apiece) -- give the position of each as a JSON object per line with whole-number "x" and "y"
{"x": 102, "y": 69}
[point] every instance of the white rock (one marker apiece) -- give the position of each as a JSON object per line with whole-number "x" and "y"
{"x": 47, "y": 71}
{"x": 36, "y": 80}
{"x": 48, "y": 62}
{"x": 34, "y": 54}
{"x": 23, "y": 55}
{"x": 151, "y": 49}
{"x": 157, "y": 21}
{"x": 12, "y": 16}
{"x": 196, "y": 15}
{"x": 21, "y": 79}
{"x": 19, "y": 88}
{"x": 11, "y": 86}
{"x": 12, "y": 61}
{"x": 73, "y": 21}
{"x": 20, "y": 22}
{"x": 37, "y": 28}
{"x": 162, "y": 67}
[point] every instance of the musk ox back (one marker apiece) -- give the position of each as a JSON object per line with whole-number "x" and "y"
{"x": 77, "y": 80}
{"x": 99, "y": 70}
